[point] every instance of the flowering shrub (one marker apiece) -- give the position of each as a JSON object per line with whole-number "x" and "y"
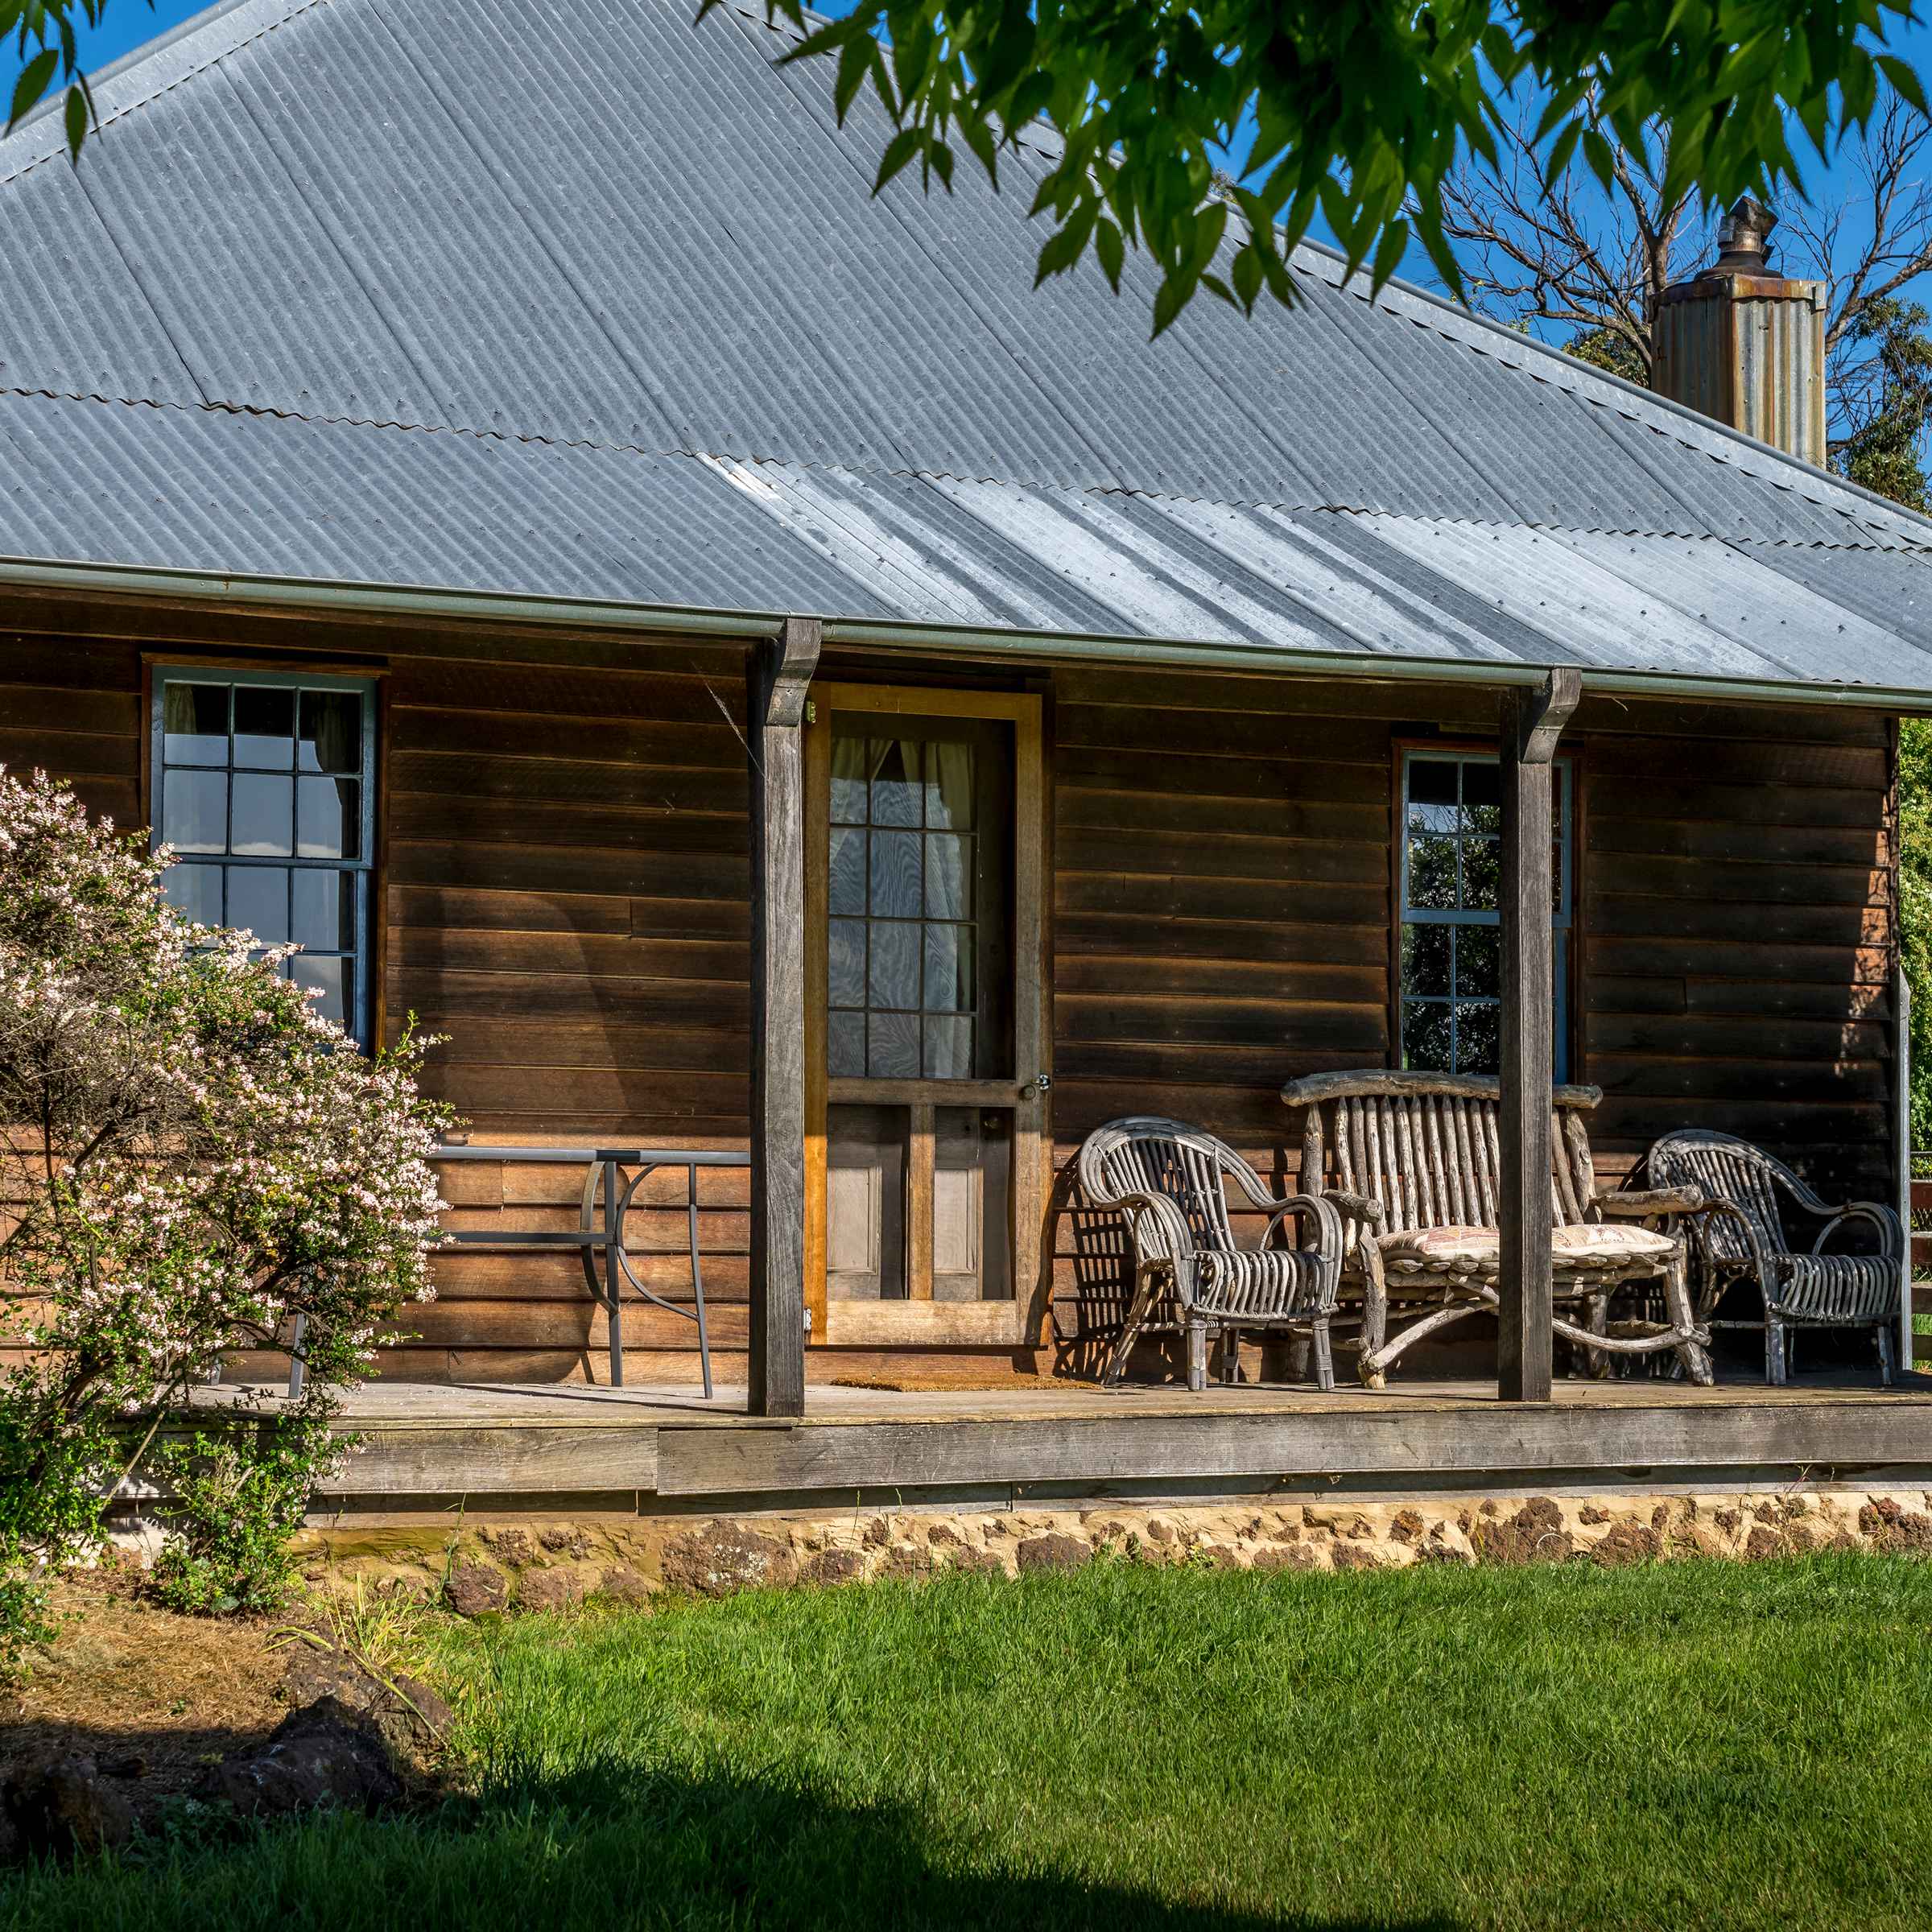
{"x": 190, "y": 1157}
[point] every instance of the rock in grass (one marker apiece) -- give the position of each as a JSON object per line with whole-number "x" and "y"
{"x": 722, "y": 1557}
{"x": 324, "y": 1756}
{"x": 548, "y": 1589}
{"x": 833, "y": 1566}
{"x": 403, "y": 1708}
{"x": 621, "y": 1584}
{"x": 62, "y": 1806}
{"x": 1535, "y": 1534}
{"x": 475, "y": 1589}
{"x": 1054, "y": 1551}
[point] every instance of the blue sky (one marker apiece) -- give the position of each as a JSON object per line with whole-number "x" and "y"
{"x": 130, "y": 23}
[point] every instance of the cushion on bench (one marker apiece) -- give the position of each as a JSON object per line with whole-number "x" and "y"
{"x": 1480, "y": 1249}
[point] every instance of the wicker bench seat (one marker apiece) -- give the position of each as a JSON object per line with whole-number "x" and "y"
{"x": 1412, "y": 1163}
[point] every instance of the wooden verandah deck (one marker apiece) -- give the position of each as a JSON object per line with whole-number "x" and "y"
{"x": 667, "y": 1451}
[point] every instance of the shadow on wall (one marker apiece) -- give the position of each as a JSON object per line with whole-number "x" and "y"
{"x": 600, "y": 1848}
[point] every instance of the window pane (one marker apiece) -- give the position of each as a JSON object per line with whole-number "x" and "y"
{"x": 195, "y": 892}
{"x": 1482, "y": 796}
{"x": 1426, "y": 959}
{"x": 331, "y": 731}
{"x": 895, "y": 781}
{"x": 265, "y": 726}
{"x": 845, "y": 975}
{"x": 194, "y": 810}
{"x": 949, "y": 786}
{"x": 1432, "y": 873}
{"x": 846, "y": 891}
{"x": 265, "y": 809}
{"x": 848, "y": 780}
{"x": 324, "y": 914}
{"x": 1431, "y": 795}
{"x": 194, "y": 724}
{"x": 949, "y": 969}
{"x": 845, "y": 1046}
{"x": 1477, "y": 1037}
{"x": 1425, "y": 1036}
{"x": 1478, "y": 961}
{"x": 948, "y": 877}
{"x": 892, "y": 1046}
{"x": 258, "y": 899}
{"x": 893, "y": 977}
{"x": 895, "y": 875}
{"x": 330, "y": 977}
{"x": 948, "y": 1049}
{"x": 330, "y": 827}
{"x": 1482, "y": 873}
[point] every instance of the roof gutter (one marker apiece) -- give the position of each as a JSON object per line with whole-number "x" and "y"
{"x": 1266, "y": 659}
{"x": 312, "y": 595}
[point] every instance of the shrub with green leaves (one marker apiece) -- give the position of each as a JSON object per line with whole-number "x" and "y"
{"x": 191, "y": 1158}
{"x": 234, "y": 1502}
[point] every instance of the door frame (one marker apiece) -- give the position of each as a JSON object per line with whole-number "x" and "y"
{"x": 923, "y": 1322}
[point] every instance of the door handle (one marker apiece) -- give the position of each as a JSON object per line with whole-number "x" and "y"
{"x": 1040, "y": 1083}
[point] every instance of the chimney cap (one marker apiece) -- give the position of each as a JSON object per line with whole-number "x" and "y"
{"x": 1744, "y": 239}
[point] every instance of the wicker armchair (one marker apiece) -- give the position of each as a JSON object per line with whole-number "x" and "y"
{"x": 1738, "y": 1235}
{"x": 1168, "y": 1179}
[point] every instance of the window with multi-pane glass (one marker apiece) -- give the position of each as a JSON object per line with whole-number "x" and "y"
{"x": 914, "y": 901}
{"x": 1451, "y": 954}
{"x": 262, "y": 787}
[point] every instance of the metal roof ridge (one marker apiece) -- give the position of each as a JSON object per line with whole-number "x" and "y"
{"x": 118, "y": 88}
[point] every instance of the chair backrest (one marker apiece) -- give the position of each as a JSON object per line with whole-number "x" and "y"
{"x": 1426, "y": 1145}
{"x": 1147, "y": 1154}
{"x": 1726, "y": 1169}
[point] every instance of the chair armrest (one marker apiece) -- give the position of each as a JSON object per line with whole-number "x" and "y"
{"x": 1320, "y": 1208}
{"x": 1640, "y": 1203}
{"x": 1713, "y": 1208}
{"x": 1357, "y": 1207}
{"x": 1891, "y": 1236}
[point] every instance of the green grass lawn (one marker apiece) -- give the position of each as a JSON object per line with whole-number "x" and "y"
{"x": 1695, "y": 1744}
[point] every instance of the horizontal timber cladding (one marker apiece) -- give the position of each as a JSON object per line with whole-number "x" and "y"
{"x": 1739, "y": 915}
{"x": 565, "y": 881}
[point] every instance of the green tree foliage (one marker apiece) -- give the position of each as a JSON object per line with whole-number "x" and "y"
{"x": 1604, "y": 348}
{"x": 1885, "y": 450}
{"x": 1358, "y": 113}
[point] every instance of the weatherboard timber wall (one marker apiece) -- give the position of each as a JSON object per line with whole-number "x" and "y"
{"x": 565, "y": 881}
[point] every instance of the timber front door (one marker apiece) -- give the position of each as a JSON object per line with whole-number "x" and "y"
{"x": 925, "y": 1092}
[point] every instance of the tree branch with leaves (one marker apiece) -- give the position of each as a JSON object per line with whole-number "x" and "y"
{"x": 1359, "y": 113}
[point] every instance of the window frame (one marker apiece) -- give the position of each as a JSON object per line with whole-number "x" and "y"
{"x": 1565, "y": 928}
{"x": 360, "y": 1014}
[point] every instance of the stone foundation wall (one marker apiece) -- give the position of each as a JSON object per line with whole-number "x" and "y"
{"x": 532, "y": 1564}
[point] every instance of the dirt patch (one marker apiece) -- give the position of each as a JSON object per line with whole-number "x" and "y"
{"x": 152, "y": 1698}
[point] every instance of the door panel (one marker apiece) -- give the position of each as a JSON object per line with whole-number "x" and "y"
{"x": 865, "y": 1203}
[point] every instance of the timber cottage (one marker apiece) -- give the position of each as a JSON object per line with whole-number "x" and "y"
{"x": 824, "y": 730}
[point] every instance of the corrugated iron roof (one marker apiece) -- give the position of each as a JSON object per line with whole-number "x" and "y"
{"x": 583, "y": 301}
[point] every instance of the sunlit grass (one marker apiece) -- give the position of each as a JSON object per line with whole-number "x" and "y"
{"x": 1684, "y": 1745}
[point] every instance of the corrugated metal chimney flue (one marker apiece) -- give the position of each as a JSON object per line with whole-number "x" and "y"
{"x": 1745, "y": 345}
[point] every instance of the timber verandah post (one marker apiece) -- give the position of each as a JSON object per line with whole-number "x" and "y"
{"x": 777, "y": 676}
{"x": 1533, "y": 720}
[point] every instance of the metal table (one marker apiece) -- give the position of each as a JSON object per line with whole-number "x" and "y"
{"x": 599, "y": 1237}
